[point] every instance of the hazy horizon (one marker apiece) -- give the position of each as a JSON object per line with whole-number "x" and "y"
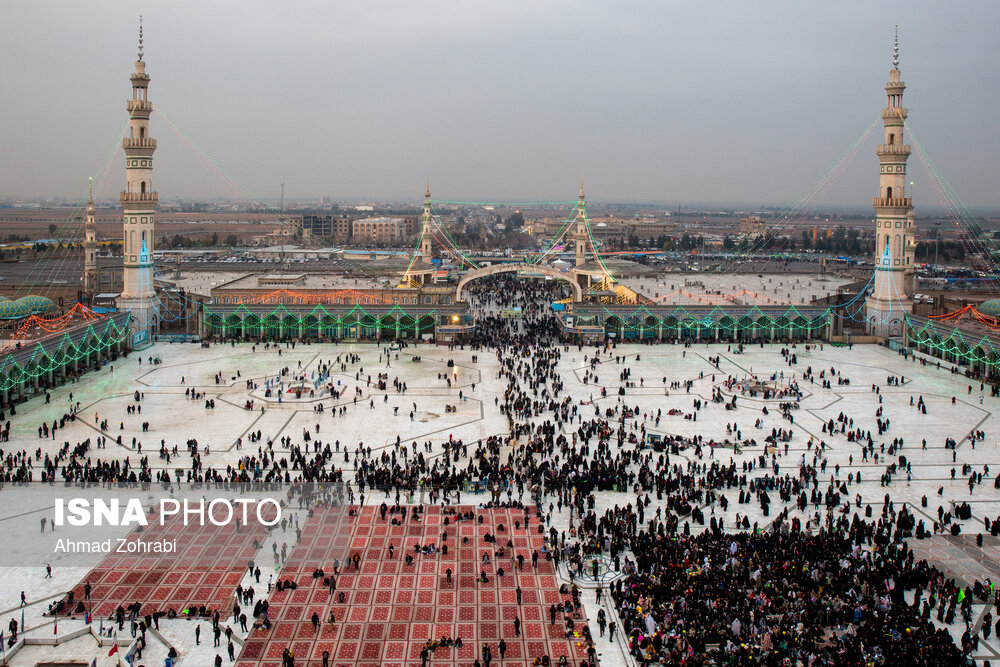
{"x": 723, "y": 103}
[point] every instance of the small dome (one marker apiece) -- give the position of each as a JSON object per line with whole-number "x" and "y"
{"x": 990, "y": 308}
{"x": 13, "y": 310}
{"x": 35, "y": 304}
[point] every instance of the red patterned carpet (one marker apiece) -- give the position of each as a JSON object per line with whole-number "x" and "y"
{"x": 390, "y": 609}
{"x": 204, "y": 571}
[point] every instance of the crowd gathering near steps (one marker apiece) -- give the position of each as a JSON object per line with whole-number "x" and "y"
{"x": 828, "y": 579}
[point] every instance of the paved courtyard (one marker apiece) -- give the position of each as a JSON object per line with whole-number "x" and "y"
{"x": 424, "y": 414}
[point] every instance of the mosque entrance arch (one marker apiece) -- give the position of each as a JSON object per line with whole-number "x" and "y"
{"x": 521, "y": 269}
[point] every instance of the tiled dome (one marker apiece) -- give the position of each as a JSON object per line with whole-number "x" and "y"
{"x": 36, "y": 304}
{"x": 990, "y": 308}
{"x": 13, "y": 310}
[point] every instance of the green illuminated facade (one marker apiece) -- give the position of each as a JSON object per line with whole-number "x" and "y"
{"x": 950, "y": 344}
{"x": 705, "y": 323}
{"x": 53, "y": 359}
{"x": 325, "y": 323}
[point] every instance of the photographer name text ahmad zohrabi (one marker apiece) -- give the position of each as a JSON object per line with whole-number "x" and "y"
{"x": 119, "y": 545}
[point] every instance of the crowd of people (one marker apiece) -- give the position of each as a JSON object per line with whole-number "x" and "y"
{"x": 830, "y": 580}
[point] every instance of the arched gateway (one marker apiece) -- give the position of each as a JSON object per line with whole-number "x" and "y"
{"x": 518, "y": 268}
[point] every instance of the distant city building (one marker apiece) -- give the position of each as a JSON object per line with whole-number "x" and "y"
{"x": 382, "y": 230}
{"x": 335, "y": 227}
{"x": 752, "y": 224}
{"x": 610, "y": 228}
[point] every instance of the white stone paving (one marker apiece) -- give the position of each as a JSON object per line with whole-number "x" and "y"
{"x": 175, "y": 418}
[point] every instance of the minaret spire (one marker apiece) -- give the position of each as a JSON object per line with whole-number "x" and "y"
{"x": 140, "y": 36}
{"x": 895, "y": 50}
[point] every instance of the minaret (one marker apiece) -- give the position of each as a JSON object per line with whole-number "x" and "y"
{"x": 580, "y": 235}
{"x": 90, "y": 275}
{"x": 139, "y": 205}
{"x": 425, "y": 227}
{"x": 894, "y": 218}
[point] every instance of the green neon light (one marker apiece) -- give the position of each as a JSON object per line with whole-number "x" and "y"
{"x": 41, "y": 362}
{"x": 322, "y": 318}
{"x": 462, "y": 256}
{"x": 753, "y": 318}
{"x": 69, "y": 228}
{"x": 505, "y": 203}
{"x": 955, "y": 344}
{"x": 535, "y": 259}
{"x": 590, "y": 235}
{"x": 807, "y": 195}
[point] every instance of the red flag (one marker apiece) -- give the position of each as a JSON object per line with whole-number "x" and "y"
{"x": 114, "y": 649}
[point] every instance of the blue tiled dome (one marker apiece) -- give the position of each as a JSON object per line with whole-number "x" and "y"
{"x": 36, "y": 304}
{"x": 990, "y": 308}
{"x": 13, "y": 310}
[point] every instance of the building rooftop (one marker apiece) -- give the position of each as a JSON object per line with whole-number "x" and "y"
{"x": 619, "y": 268}
{"x": 306, "y": 281}
{"x": 701, "y": 289}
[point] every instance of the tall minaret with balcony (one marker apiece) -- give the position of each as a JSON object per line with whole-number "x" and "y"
{"x": 90, "y": 274}
{"x": 894, "y": 218}
{"x": 580, "y": 234}
{"x": 426, "y": 253}
{"x": 139, "y": 205}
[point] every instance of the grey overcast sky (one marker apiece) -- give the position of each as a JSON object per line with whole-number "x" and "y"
{"x": 515, "y": 100}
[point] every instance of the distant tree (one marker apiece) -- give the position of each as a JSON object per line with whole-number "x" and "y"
{"x": 232, "y": 241}
{"x": 215, "y": 239}
{"x": 52, "y": 228}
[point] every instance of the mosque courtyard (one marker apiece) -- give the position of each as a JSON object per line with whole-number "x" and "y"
{"x": 452, "y": 395}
